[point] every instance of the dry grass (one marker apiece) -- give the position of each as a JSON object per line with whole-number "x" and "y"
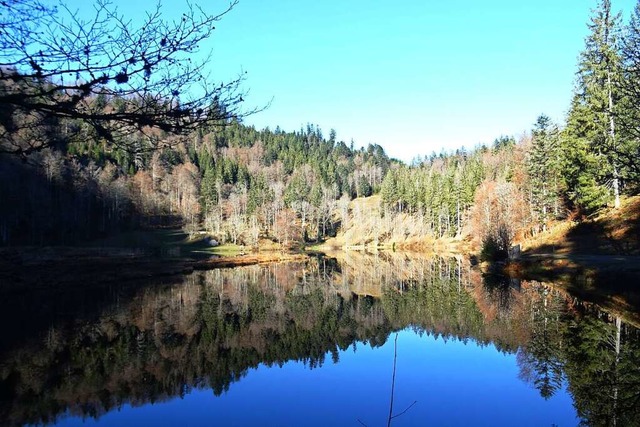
{"x": 367, "y": 228}
{"x": 612, "y": 231}
{"x": 555, "y": 238}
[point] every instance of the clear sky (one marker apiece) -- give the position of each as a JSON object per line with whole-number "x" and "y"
{"x": 415, "y": 76}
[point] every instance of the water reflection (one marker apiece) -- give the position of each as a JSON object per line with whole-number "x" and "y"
{"x": 596, "y": 352}
{"x": 151, "y": 343}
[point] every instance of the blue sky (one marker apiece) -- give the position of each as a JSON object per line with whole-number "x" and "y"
{"x": 415, "y": 76}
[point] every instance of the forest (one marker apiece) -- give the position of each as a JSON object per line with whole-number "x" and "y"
{"x": 68, "y": 178}
{"x": 110, "y": 130}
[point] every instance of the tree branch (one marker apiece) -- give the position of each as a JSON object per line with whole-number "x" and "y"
{"x": 55, "y": 64}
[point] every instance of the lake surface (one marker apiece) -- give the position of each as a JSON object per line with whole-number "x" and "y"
{"x": 352, "y": 341}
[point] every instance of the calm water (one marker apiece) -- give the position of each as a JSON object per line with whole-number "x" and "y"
{"x": 317, "y": 343}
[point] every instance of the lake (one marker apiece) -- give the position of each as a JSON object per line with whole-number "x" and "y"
{"x": 374, "y": 340}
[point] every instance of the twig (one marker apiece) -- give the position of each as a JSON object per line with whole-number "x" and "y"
{"x": 393, "y": 379}
{"x": 405, "y": 411}
{"x": 393, "y": 387}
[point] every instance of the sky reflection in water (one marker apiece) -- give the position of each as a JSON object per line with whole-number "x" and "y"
{"x": 454, "y": 384}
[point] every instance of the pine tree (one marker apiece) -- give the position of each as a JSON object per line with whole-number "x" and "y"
{"x": 543, "y": 169}
{"x": 596, "y": 103}
{"x": 364, "y": 188}
{"x": 208, "y": 193}
{"x": 389, "y": 189}
{"x": 581, "y": 164}
{"x": 629, "y": 149}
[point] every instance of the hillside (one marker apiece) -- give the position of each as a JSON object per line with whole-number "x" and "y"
{"x": 611, "y": 232}
{"x": 365, "y": 224}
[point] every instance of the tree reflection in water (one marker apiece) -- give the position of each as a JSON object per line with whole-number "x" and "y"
{"x": 151, "y": 343}
{"x": 594, "y": 352}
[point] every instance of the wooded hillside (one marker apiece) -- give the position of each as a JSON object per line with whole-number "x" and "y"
{"x": 241, "y": 185}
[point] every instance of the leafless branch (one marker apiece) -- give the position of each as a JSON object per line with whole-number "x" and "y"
{"x": 393, "y": 386}
{"x": 393, "y": 379}
{"x": 55, "y": 64}
{"x": 405, "y": 411}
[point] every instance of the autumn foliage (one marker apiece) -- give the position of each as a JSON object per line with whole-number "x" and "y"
{"x": 499, "y": 215}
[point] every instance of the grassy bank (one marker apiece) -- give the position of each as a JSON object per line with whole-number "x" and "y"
{"x": 610, "y": 232}
{"x": 127, "y": 257}
{"x": 605, "y": 246}
{"x": 597, "y": 259}
{"x": 168, "y": 243}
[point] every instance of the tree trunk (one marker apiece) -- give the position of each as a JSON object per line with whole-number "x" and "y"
{"x": 615, "y": 388}
{"x": 612, "y": 135}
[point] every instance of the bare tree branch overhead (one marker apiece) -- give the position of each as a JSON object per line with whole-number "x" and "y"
{"x": 117, "y": 76}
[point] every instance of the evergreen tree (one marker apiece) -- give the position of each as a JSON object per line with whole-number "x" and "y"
{"x": 389, "y": 189}
{"x": 208, "y": 193}
{"x": 580, "y": 163}
{"x": 544, "y": 170}
{"x": 591, "y": 128}
{"x": 628, "y": 150}
{"x": 364, "y": 188}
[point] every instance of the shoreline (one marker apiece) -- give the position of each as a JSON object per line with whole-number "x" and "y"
{"x": 609, "y": 281}
{"x": 26, "y": 269}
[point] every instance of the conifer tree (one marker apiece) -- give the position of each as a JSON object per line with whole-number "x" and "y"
{"x": 389, "y": 189}
{"x": 591, "y": 129}
{"x": 580, "y": 162}
{"x": 629, "y": 149}
{"x": 543, "y": 169}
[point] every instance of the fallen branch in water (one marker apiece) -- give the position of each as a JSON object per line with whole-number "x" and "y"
{"x": 393, "y": 387}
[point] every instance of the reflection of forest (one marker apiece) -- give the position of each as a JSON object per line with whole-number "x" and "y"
{"x": 153, "y": 343}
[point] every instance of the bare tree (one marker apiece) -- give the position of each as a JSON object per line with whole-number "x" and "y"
{"x": 116, "y": 77}
{"x": 499, "y": 215}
